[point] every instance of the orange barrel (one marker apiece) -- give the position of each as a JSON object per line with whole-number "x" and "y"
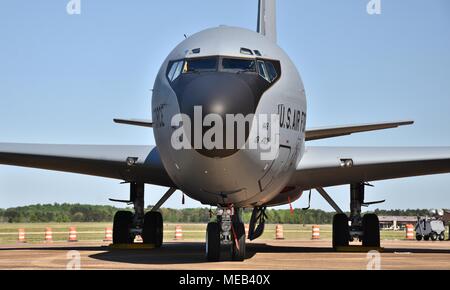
{"x": 409, "y": 232}
{"x": 21, "y": 238}
{"x": 279, "y": 235}
{"x": 48, "y": 235}
{"x": 73, "y": 234}
{"x": 315, "y": 232}
{"x": 108, "y": 235}
{"x": 178, "y": 233}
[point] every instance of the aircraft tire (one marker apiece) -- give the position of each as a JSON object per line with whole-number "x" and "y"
{"x": 340, "y": 231}
{"x": 213, "y": 242}
{"x": 371, "y": 227}
{"x": 153, "y": 231}
{"x": 121, "y": 227}
{"x": 238, "y": 254}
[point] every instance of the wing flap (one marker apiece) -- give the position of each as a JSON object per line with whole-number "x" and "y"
{"x": 129, "y": 163}
{"x": 331, "y": 166}
{"x": 331, "y": 132}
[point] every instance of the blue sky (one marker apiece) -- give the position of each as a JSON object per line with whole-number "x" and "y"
{"x": 64, "y": 78}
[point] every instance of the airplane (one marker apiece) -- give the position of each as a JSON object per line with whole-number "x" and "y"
{"x": 229, "y": 71}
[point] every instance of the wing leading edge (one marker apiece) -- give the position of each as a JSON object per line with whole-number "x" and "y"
{"x": 331, "y": 166}
{"x": 129, "y": 163}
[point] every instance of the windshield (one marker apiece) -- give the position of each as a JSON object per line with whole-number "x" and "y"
{"x": 244, "y": 65}
{"x": 200, "y": 65}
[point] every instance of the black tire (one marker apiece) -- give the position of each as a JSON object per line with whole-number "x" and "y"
{"x": 123, "y": 221}
{"x": 371, "y": 227}
{"x": 442, "y": 236}
{"x": 213, "y": 242}
{"x": 238, "y": 254}
{"x": 153, "y": 232}
{"x": 419, "y": 237}
{"x": 434, "y": 236}
{"x": 426, "y": 238}
{"x": 341, "y": 234}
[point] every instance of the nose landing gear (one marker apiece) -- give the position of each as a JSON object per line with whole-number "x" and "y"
{"x": 227, "y": 231}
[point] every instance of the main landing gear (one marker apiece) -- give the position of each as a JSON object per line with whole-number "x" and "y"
{"x": 227, "y": 231}
{"x": 149, "y": 226}
{"x": 355, "y": 227}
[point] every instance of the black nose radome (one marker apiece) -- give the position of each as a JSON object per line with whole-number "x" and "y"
{"x": 221, "y": 94}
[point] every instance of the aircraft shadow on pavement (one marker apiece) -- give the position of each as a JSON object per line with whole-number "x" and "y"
{"x": 193, "y": 253}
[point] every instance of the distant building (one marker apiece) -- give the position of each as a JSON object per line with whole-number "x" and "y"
{"x": 396, "y": 223}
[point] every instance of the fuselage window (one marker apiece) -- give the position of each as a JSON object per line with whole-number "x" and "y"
{"x": 262, "y": 70}
{"x": 239, "y": 65}
{"x": 200, "y": 65}
{"x": 271, "y": 71}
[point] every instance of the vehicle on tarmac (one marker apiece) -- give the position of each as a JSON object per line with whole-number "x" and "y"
{"x": 430, "y": 228}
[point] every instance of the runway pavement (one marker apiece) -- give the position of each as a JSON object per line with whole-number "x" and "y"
{"x": 261, "y": 255}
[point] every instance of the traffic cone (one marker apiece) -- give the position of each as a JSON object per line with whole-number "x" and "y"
{"x": 178, "y": 233}
{"x": 48, "y": 235}
{"x": 21, "y": 238}
{"x": 108, "y": 235}
{"x": 315, "y": 232}
{"x": 409, "y": 232}
{"x": 73, "y": 234}
{"x": 279, "y": 235}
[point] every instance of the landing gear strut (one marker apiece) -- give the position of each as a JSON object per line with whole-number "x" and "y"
{"x": 128, "y": 225}
{"x": 227, "y": 231}
{"x": 363, "y": 228}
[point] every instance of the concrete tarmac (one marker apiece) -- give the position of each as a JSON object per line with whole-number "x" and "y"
{"x": 261, "y": 255}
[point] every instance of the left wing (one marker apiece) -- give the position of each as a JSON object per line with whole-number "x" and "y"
{"x": 330, "y": 166}
{"x": 129, "y": 163}
{"x": 135, "y": 122}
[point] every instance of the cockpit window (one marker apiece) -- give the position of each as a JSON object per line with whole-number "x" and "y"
{"x": 200, "y": 65}
{"x": 175, "y": 70}
{"x": 262, "y": 70}
{"x": 239, "y": 65}
{"x": 271, "y": 71}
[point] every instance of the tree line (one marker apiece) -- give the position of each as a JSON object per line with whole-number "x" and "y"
{"x": 64, "y": 213}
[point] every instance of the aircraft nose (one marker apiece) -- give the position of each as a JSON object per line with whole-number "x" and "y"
{"x": 221, "y": 94}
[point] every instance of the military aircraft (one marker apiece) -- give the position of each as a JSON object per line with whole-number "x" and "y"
{"x": 259, "y": 159}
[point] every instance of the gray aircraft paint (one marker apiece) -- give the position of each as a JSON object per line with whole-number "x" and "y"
{"x": 243, "y": 178}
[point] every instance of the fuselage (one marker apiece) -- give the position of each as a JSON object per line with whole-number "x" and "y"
{"x": 222, "y": 73}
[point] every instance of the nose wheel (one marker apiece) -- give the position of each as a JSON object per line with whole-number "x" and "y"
{"x": 227, "y": 231}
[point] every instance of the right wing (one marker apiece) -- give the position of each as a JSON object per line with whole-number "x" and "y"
{"x": 129, "y": 163}
{"x": 331, "y": 166}
{"x": 337, "y": 131}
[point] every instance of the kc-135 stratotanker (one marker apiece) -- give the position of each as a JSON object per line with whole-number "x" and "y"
{"x": 218, "y": 73}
